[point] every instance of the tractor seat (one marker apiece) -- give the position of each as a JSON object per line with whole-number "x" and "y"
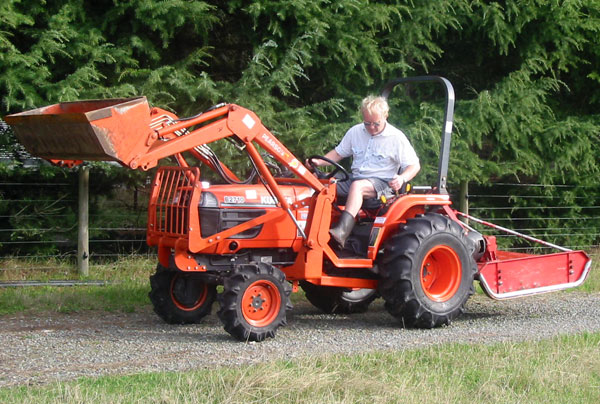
{"x": 370, "y": 208}
{"x": 373, "y": 207}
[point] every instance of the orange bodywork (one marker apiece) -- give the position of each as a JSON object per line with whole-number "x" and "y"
{"x": 174, "y": 225}
{"x": 105, "y": 130}
{"x": 189, "y": 219}
{"x": 506, "y": 275}
{"x": 295, "y": 216}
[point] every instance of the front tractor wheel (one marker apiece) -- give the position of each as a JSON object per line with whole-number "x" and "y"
{"x": 427, "y": 271}
{"x": 180, "y": 298}
{"x": 254, "y": 302}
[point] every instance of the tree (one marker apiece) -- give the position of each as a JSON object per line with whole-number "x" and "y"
{"x": 525, "y": 72}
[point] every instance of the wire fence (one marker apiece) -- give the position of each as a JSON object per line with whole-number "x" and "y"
{"x": 45, "y": 228}
{"x": 562, "y": 214}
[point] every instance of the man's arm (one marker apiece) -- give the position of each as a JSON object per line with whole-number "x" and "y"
{"x": 407, "y": 175}
{"x": 331, "y": 155}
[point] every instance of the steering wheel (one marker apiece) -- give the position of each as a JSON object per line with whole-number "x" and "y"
{"x": 322, "y": 174}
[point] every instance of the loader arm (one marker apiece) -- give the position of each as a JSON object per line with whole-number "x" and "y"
{"x": 229, "y": 120}
{"x": 162, "y": 118}
{"x": 128, "y": 131}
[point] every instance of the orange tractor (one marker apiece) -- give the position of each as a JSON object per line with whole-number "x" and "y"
{"x": 265, "y": 237}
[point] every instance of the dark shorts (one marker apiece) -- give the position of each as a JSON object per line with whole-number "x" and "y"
{"x": 380, "y": 186}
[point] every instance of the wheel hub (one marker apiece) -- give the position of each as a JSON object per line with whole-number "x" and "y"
{"x": 257, "y": 302}
{"x": 441, "y": 273}
{"x": 261, "y": 303}
{"x": 188, "y": 293}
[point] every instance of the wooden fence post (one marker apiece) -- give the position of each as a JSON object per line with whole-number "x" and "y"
{"x": 83, "y": 250}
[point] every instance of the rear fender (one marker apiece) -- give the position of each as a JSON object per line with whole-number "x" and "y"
{"x": 403, "y": 208}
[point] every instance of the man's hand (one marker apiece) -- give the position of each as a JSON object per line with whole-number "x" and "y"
{"x": 397, "y": 182}
{"x": 315, "y": 163}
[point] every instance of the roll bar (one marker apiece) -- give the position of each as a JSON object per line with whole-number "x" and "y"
{"x": 446, "y": 128}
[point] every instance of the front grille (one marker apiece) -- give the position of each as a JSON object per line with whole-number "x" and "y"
{"x": 215, "y": 220}
{"x": 171, "y": 196}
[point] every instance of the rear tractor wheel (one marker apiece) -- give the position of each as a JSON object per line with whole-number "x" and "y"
{"x": 427, "y": 271}
{"x": 180, "y": 298}
{"x": 254, "y": 302}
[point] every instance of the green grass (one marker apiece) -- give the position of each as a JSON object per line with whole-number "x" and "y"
{"x": 116, "y": 297}
{"x": 592, "y": 283}
{"x": 561, "y": 370}
{"x": 127, "y": 289}
{"x": 133, "y": 268}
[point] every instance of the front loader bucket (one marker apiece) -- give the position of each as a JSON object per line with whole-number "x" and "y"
{"x": 106, "y": 130}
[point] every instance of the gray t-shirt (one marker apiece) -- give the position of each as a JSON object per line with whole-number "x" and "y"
{"x": 379, "y": 156}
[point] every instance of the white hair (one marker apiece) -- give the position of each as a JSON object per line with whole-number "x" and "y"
{"x": 375, "y": 104}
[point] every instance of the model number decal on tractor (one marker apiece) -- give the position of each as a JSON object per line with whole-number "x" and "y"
{"x": 234, "y": 199}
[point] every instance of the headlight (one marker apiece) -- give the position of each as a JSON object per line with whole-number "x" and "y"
{"x": 208, "y": 200}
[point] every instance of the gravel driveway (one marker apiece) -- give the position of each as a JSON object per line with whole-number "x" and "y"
{"x": 40, "y": 349}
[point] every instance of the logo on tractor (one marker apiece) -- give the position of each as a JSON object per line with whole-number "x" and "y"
{"x": 269, "y": 200}
{"x": 295, "y": 164}
{"x": 274, "y": 145}
{"x": 248, "y": 121}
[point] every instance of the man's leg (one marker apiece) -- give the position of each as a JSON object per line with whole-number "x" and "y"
{"x": 359, "y": 190}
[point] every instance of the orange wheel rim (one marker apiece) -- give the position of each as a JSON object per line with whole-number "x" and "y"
{"x": 180, "y": 284}
{"x": 441, "y": 273}
{"x": 261, "y": 303}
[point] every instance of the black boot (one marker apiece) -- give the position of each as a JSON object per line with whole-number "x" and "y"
{"x": 343, "y": 229}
